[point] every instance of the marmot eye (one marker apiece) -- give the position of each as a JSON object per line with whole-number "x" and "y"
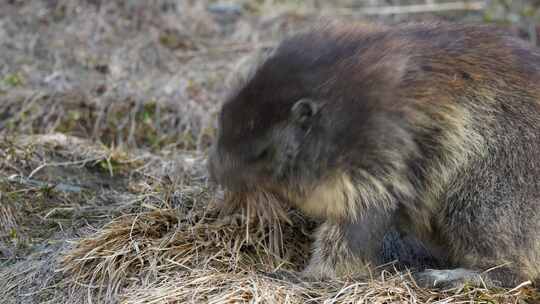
{"x": 261, "y": 154}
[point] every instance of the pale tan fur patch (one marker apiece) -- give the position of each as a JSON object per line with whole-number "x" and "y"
{"x": 373, "y": 192}
{"x": 334, "y": 199}
{"x": 340, "y": 198}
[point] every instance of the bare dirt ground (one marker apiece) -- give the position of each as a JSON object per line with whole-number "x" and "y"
{"x": 106, "y": 111}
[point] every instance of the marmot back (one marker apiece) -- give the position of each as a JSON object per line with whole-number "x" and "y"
{"x": 432, "y": 130}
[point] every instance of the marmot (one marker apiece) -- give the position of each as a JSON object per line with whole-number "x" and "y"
{"x": 428, "y": 129}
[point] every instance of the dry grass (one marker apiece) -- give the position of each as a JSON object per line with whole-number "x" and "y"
{"x": 227, "y": 238}
{"x": 254, "y": 288}
{"x": 106, "y": 109}
{"x": 113, "y": 121}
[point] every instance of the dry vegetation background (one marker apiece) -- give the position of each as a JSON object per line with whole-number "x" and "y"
{"x": 106, "y": 110}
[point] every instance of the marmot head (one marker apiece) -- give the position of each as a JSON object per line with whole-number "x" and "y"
{"x": 319, "y": 105}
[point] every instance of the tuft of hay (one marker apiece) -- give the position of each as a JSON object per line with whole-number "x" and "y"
{"x": 267, "y": 212}
{"x": 234, "y": 236}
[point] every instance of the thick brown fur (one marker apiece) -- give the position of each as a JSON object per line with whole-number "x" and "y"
{"x": 431, "y": 130}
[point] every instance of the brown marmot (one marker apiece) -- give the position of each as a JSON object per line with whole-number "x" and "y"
{"x": 428, "y": 129}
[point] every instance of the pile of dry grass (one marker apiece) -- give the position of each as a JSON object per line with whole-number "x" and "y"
{"x": 248, "y": 248}
{"x": 224, "y": 238}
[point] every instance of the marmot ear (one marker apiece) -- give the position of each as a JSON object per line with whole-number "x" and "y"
{"x": 304, "y": 109}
